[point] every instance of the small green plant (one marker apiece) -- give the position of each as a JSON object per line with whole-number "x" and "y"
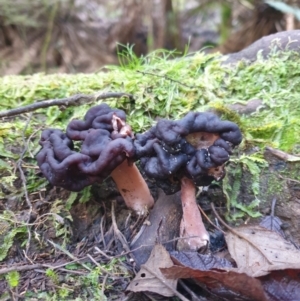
{"x": 252, "y": 164}
{"x": 52, "y": 275}
{"x": 127, "y": 57}
{"x": 8, "y": 231}
{"x": 61, "y": 218}
{"x": 85, "y": 195}
{"x": 63, "y": 292}
{"x": 12, "y": 278}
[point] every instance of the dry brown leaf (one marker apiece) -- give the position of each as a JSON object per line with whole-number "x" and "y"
{"x": 150, "y": 278}
{"x": 272, "y": 223}
{"x": 202, "y": 262}
{"x": 223, "y": 283}
{"x": 282, "y": 285}
{"x": 257, "y": 251}
{"x": 228, "y": 283}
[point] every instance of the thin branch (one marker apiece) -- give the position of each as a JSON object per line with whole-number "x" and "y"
{"x": 75, "y": 272}
{"x": 99, "y": 251}
{"x": 99, "y": 266}
{"x": 24, "y": 182}
{"x": 20, "y": 268}
{"x": 102, "y": 232}
{"x": 48, "y": 36}
{"x": 288, "y": 179}
{"x": 74, "y": 100}
{"x": 273, "y": 207}
{"x": 117, "y": 232}
{"x": 192, "y": 294}
{"x": 27, "y": 267}
{"x": 208, "y": 219}
{"x": 69, "y": 254}
{"x": 166, "y": 77}
{"x": 283, "y": 155}
{"x": 103, "y": 284}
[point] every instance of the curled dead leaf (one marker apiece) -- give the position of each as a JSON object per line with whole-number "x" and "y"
{"x": 150, "y": 278}
{"x": 203, "y": 262}
{"x": 282, "y": 285}
{"x": 222, "y": 282}
{"x": 258, "y": 251}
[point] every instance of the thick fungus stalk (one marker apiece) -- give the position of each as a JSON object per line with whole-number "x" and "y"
{"x": 132, "y": 187}
{"x": 193, "y": 234}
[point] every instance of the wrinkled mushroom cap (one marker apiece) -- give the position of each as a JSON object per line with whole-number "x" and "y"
{"x": 105, "y": 144}
{"x": 196, "y": 146}
{"x": 59, "y": 163}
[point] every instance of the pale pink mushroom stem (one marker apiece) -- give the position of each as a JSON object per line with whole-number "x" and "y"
{"x": 133, "y": 187}
{"x": 192, "y": 230}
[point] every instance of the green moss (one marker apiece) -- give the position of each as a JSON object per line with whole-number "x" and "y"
{"x": 275, "y": 185}
{"x": 171, "y": 88}
{"x": 243, "y": 171}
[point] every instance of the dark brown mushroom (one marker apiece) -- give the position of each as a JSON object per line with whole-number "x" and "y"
{"x": 106, "y": 150}
{"x": 188, "y": 152}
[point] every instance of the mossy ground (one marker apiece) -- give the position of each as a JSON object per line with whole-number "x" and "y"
{"x": 162, "y": 87}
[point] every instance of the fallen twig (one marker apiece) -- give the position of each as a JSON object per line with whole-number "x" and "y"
{"x": 192, "y": 294}
{"x": 117, "y": 232}
{"x": 208, "y": 219}
{"x": 27, "y": 267}
{"x": 24, "y": 183}
{"x": 166, "y": 77}
{"x": 98, "y": 265}
{"x": 75, "y": 100}
{"x": 20, "y": 268}
{"x": 70, "y": 255}
{"x": 75, "y": 272}
{"x": 273, "y": 207}
{"x": 288, "y": 179}
{"x": 102, "y": 232}
{"x": 103, "y": 284}
{"x": 283, "y": 155}
{"x": 103, "y": 253}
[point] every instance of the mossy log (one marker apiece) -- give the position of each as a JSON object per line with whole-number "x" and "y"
{"x": 278, "y": 179}
{"x": 277, "y": 42}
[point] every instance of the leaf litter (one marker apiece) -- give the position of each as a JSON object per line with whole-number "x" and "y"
{"x": 262, "y": 266}
{"x": 150, "y": 278}
{"x": 262, "y": 252}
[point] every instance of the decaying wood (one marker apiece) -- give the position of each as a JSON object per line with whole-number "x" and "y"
{"x": 281, "y": 41}
{"x": 163, "y": 227}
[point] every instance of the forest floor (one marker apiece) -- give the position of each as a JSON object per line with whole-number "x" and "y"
{"x": 60, "y": 245}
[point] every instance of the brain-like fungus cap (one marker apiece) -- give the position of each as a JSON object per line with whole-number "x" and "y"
{"x": 197, "y": 146}
{"x": 179, "y": 154}
{"x": 106, "y": 143}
